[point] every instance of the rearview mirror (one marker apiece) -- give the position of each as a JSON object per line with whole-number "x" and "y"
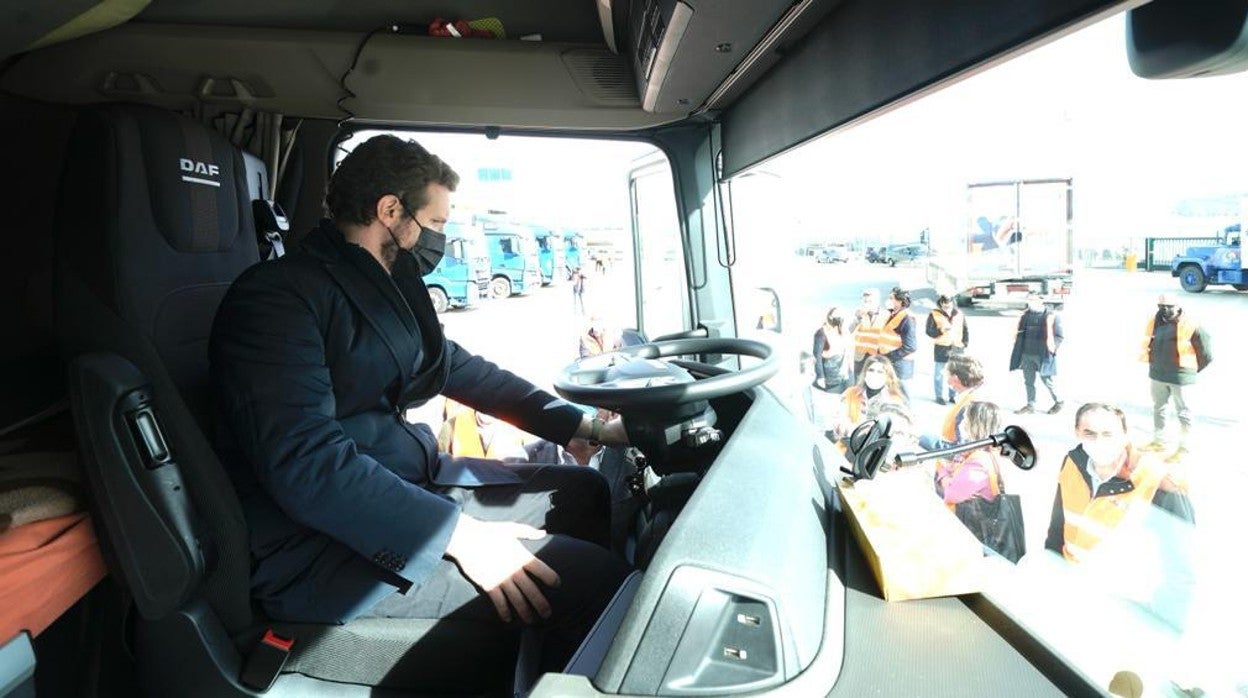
{"x": 1184, "y": 39}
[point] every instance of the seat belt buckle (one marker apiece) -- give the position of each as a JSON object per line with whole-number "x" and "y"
{"x": 266, "y": 661}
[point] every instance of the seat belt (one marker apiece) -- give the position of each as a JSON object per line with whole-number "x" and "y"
{"x": 271, "y": 222}
{"x": 266, "y": 661}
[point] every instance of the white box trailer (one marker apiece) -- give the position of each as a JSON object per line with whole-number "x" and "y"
{"x": 1018, "y": 239}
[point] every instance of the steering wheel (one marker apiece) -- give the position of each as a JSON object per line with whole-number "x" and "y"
{"x": 635, "y": 376}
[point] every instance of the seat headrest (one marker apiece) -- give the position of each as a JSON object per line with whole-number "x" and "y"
{"x": 191, "y": 172}
{"x": 190, "y": 178}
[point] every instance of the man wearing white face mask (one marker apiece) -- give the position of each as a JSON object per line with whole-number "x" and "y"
{"x": 1103, "y": 480}
{"x": 1035, "y": 351}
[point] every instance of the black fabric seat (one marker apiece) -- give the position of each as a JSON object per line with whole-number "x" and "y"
{"x": 154, "y": 224}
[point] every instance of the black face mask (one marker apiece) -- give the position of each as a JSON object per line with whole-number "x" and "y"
{"x": 429, "y": 249}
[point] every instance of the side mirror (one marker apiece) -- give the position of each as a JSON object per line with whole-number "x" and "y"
{"x": 1184, "y": 39}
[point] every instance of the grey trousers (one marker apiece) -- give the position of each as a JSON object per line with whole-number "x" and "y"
{"x": 1031, "y": 369}
{"x": 1163, "y": 394}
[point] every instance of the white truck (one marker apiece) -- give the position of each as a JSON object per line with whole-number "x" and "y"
{"x": 1018, "y": 239}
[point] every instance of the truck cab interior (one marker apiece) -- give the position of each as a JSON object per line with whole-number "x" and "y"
{"x": 148, "y": 138}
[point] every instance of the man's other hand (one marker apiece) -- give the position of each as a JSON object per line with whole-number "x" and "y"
{"x": 490, "y": 555}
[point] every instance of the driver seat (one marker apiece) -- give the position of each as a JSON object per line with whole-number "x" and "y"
{"x": 154, "y": 225}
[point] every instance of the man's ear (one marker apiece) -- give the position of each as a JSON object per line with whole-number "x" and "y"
{"x": 389, "y": 209}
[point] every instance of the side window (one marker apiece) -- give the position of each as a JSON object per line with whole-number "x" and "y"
{"x": 505, "y": 244}
{"x": 661, "y": 275}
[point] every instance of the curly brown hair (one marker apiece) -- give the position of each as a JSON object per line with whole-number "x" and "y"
{"x": 384, "y": 165}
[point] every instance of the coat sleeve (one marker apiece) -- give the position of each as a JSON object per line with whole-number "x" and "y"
{"x": 966, "y": 333}
{"x": 484, "y": 386}
{"x": 1175, "y": 503}
{"x": 1204, "y": 348}
{"x": 931, "y": 329}
{"x": 276, "y": 395}
{"x": 816, "y": 351}
{"x": 1056, "y": 539}
{"x": 1057, "y": 332}
{"x": 1016, "y": 353}
{"x": 909, "y": 343}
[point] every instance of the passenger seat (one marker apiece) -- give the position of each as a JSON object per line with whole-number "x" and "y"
{"x": 155, "y": 223}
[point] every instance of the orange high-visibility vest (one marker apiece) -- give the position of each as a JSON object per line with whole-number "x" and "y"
{"x": 466, "y": 441}
{"x": 854, "y": 398}
{"x": 949, "y": 432}
{"x": 950, "y": 329}
{"x": 856, "y": 402}
{"x": 1089, "y": 519}
{"x": 867, "y": 336}
{"x": 1183, "y": 340}
{"x": 888, "y": 339}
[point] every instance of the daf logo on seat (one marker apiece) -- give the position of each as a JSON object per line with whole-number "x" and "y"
{"x": 191, "y": 167}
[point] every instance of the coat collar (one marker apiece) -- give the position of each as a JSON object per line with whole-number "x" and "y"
{"x": 367, "y": 286}
{"x": 406, "y": 322}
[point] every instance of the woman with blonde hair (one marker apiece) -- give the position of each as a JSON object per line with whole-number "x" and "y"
{"x": 974, "y": 473}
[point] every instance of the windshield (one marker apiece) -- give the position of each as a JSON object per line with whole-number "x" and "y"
{"x": 1023, "y": 186}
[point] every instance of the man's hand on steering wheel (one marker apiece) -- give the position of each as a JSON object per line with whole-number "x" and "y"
{"x": 610, "y": 433}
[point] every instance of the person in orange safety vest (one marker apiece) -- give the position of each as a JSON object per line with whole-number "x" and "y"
{"x": 1176, "y": 348}
{"x": 877, "y": 384}
{"x": 946, "y": 325}
{"x": 897, "y": 338}
{"x": 865, "y": 328}
{"x": 1103, "y": 480}
{"x": 468, "y": 433}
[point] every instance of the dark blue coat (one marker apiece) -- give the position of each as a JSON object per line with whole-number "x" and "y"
{"x": 315, "y": 356}
{"x": 1048, "y": 359}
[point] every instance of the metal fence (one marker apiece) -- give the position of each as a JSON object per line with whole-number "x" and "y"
{"x": 1160, "y": 252}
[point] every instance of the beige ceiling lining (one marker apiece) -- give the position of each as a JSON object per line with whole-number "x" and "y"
{"x": 398, "y": 78}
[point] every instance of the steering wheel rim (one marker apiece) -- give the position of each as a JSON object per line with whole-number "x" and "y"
{"x": 575, "y": 381}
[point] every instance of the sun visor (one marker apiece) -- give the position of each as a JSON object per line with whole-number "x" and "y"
{"x": 102, "y": 15}
{"x": 865, "y": 56}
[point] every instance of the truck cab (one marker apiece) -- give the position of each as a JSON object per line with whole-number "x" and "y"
{"x": 514, "y": 263}
{"x": 462, "y": 277}
{"x": 1223, "y": 264}
{"x": 550, "y": 255}
{"x": 574, "y": 243}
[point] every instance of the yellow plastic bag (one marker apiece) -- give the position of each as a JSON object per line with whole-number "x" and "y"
{"x": 915, "y": 546}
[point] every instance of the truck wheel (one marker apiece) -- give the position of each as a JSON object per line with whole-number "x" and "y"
{"x": 1192, "y": 278}
{"x": 500, "y": 287}
{"x": 440, "y": 301}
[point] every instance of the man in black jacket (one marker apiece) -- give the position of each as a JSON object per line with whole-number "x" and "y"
{"x": 1036, "y": 342}
{"x": 351, "y": 510}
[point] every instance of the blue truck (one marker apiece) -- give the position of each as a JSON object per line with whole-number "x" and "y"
{"x": 573, "y": 243}
{"x": 514, "y": 265}
{"x": 1199, "y": 267}
{"x": 550, "y": 255}
{"x": 462, "y": 277}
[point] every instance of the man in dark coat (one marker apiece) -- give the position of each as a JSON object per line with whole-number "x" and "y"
{"x": 351, "y": 510}
{"x": 1035, "y": 351}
